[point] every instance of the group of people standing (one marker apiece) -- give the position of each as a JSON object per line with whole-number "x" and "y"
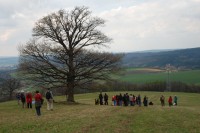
{"x": 126, "y": 100}
{"x": 120, "y": 100}
{"x": 171, "y": 101}
{"x": 132, "y": 100}
{"x": 102, "y": 99}
{"x": 27, "y": 99}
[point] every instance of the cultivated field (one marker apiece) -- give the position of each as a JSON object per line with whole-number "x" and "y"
{"x": 144, "y": 75}
{"x": 86, "y": 117}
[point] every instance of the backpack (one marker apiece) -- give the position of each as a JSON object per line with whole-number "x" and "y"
{"x": 22, "y": 97}
{"x": 48, "y": 95}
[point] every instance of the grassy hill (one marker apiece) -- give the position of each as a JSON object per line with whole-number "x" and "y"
{"x": 86, "y": 117}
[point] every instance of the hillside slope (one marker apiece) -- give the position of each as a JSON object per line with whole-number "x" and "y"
{"x": 86, "y": 117}
{"x": 184, "y": 58}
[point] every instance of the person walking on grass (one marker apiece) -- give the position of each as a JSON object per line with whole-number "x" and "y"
{"x": 23, "y": 99}
{"x": 139, "y": 100}
{"x": 175, "y": 100}
{"x": 162, "y": 100}
{"x": 29, "y": 100}
{"x": 145, "y": 101}
{"x": 120, "y": 99}
{"x": 114, "y": 100}
{"x": 106, "y": 99}
{"x": 38, "y": 102}
{"x": 131, "y": 100}
{"x": 49, "y": 98}
{"x": 18, "y": 98}
{"x": 170, "y": 101}
{"x": 101, "y": 98}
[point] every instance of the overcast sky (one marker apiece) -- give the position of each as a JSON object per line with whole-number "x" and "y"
{"x": 134, "y": 25}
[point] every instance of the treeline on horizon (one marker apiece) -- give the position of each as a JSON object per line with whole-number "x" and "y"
{"x": 159, "y": 86}
{"x": 109, "y": 86}
{"x": 183, "y": 58}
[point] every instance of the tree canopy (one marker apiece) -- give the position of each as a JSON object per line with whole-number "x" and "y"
{"x": 61, "y": 52}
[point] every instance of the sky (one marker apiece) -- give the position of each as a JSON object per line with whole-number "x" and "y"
{"x": 134, "y": 25}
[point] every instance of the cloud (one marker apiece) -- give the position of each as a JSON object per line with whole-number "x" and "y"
{"x": 5, "y": 35}
{"x": 154, "y": 25}
{"x": 134, "y": 25}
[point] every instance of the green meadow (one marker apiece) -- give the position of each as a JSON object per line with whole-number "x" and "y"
{"x": 85, "y": 117}
{"x": 145, "y": 75}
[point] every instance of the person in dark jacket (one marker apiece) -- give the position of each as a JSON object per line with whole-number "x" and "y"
{"x": 120, "y": 99}
{"x": 127, "y": 99}
{"x": 124, "y": 100}
{"x": 139, "y": 100}
{"x": 101, "y": 98}
{"x": 38, "y": 102}
{"x": 18, "y": 98}
{"x": 49, "y": 98}
{"x": 106, "y": 99}
{"x": 145, "y": 101}
{"x": 23, "y": 99}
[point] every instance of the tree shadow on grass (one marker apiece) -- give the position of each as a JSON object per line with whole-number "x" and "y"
{"x": 70, "y": 103}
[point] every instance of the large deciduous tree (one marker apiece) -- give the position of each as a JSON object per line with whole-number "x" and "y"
{"x": 61, "y": 52}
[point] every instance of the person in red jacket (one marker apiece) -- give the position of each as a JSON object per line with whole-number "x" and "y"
{"x": 38, "y": 102}
{"x": 29, "y": 100}
{"x": 114, "y": 100}
{"x": 170, "y": 101}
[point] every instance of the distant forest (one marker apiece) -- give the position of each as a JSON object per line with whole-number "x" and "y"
{"x": 184, "y": 58}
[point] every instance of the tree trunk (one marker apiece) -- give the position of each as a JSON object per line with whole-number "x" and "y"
{"x": 10, "y": 96}
{"x": 70, "y": 92}
{"x": 10, "y": 93}
{"x": 70, "y": 77}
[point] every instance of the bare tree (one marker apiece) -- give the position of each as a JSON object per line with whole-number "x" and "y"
{"x": 60, "y": 53}
{"x": 9, "y": 86}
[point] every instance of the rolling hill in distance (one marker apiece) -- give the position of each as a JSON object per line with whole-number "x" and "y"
{"x": 8, "y": 63}
{"x": 183, "y": 58}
